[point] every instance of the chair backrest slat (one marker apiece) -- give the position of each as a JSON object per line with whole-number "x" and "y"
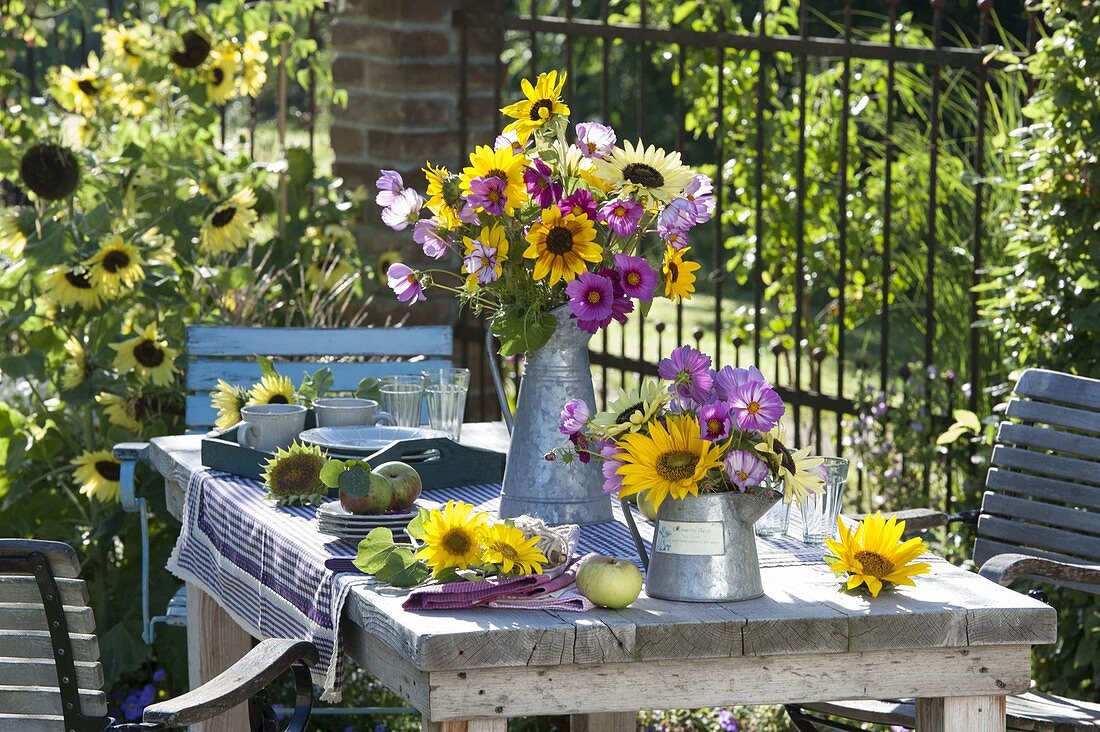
{"x": 1043, "y": 487}
{"x": 37, "y": 700}
{"x": 43, "y": 672}
{"x": 32, "y": 616}
{"x": 352, "y": 354}
{"x": 32, "y": 723}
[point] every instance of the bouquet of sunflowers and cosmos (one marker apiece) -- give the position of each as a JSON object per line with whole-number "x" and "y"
{"x": 709, "y": 431}
{"x": 540, "y": 221}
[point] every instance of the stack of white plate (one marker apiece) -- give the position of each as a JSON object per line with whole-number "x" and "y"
{"x": 333, "y": 520}
{"x": 361, "y": 442}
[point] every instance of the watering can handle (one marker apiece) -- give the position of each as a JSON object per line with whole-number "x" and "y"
{"x": 639, "y": 543}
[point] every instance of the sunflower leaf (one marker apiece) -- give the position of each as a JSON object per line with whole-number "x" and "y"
{"x": 267, "y": 366}
{"x": 415, "y": 529}
{"x": 374, "y": 551}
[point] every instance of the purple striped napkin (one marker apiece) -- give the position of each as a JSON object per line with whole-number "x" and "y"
{"x": 532, "y": 591}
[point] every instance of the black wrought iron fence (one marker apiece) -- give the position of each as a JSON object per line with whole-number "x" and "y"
{"x": 843, "y": 263}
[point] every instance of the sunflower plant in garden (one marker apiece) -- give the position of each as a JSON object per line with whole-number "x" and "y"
{"x": 707, "y": 432}
{"x": 125, "y": 213}
{"x": 539, "y": 223}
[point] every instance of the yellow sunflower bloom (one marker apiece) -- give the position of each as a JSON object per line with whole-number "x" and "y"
{"x": 679, "y": 274}
{"x": 647, "y": 174}
{"x": 253, "y": 64}
{"x": 444, "y": 195}
{"x": 80, "y": 90}
{"x": 147, "y": 355}
{"x": 230, "y": 225}
{"x": 798, "y": 470}
{"x": 561, "y": 245}
{"x": 115, "y": 267}
{"x": 541, "y": 102}
{"x": 134, "y": 100}
{"x": 12, "y": 238}
{"x": 325, "y": 273}
{"x": 97, "y": 472}
{"x": 633, "y": 410}
{"x": 272, "y": 389}
{"x": 70, "y": 285}
{"x": 120, "y": 411}
{"x": 874, "y": 554}
{"x": 510, "y": 548}
{"x": 669, "y": 461}
{"x": 228, "y": 399}
{"x": 76, "y": 367}
{"x": 504, "y": 165}
{"x": 126, "y": 47}
{"x": 452, "y": 536}
{"x": 220, "y": 74}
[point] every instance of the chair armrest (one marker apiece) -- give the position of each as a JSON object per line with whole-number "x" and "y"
{"x": 919, "y": 519}
{"x": 234, "y": 686}
{"x": 1005, "y": 568}
{"x": 132, "y": 451}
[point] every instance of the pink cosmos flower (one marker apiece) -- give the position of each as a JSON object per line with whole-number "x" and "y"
{"x": 590, "y": 297}
{"x": 426, "y": 234}
{"x": 595, "y": 140}
{"x": 700, "y": 191}
{"x": 689, "y": 371}
{"x": 756, "y": 406}
{"x": 403, "y": 211}
{"x": 389, "y": 185}
{"x": 714, "y": 421}
{"x": 468, "y": 214}
{"x": 745, "y": 470}
{"x": 612, "y": 481}
{"x": 621, "y": 215}
{"x": 487, "y": 192}
{"x": 636, "y": 277}
{"x": 574, "y": 416}
{"x": 482, "y": 262}
{"x": 728, "y": 379}
{"x": 580, "y": 201}
{"x": 541, "y": 185}
{"x": 676, "y": 239}
{"x": 405, "y": 284}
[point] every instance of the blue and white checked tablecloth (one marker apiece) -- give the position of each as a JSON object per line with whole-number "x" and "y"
{"x": 265, "y": 565}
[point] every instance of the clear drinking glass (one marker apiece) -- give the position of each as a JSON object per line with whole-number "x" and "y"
{"x": 401, "y": 397}
{"x": 775, "y": 521}
{"x": 821, "y": 510}
{"x": 446, "y": 391}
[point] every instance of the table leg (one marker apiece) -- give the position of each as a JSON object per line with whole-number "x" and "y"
{"x": 605, "y": 722}
{"x": 494, "y": 724}
{"x": 214, "y": 643}
{"x": 958, "y": 713}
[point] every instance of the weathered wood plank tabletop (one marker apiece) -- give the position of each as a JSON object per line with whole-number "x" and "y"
{"x": 956, "y": 642}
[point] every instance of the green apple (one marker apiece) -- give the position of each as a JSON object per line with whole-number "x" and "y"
{"x": 610, "y": 582}
{"x": 404, "y": 481}
{"x": 364, "y": 493}
{"x": 646, "y": 506}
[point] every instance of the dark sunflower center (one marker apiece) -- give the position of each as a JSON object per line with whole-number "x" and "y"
{"x": 148, "y": 354}
{"x": 874, "y": 564}
{"x": 498, "y": 174}
{"x": 223, "y": 217}
{"x": 537, "y": 107}
{"x": 559, "y": 240}
{"x": 624, "y": 416}
{"x": 50, "y": 170}
{"x": 78, "y": 280}
{"x": 677, "y": 465}
{"x": 88, "y": 86}
{"x": 218, "y": 76}
{"x": 673, "y": 271}
{"x": 115, "y": 260}
{"x": 195, "y": 50}
{"x": 643, "y": 175}
{"x": 278, "y": 399}
{"x": 108, "y": 470}
{"x": 507, "y": 551}
{"x": 457, "y": 541}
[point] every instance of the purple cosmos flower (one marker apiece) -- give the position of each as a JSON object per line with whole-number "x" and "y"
{"x": 542, "y": 187}
{"x": 756, "y": 406}
{"x": 727, "y": 721}
{"x": 700, "y": 191}
{"x": 678, "y": 216}
{"x": 487, "y": 192}
{"x": 574, "y": 416}
{"x": 676, "y": 239}
{"x": 508, "y": 139}
{"x": 482, "y": 262}
{"x": 590, "y": 297}
{"x": 468, "y": 214}
{"x": 389, "y": 185}
{"x": 404, "y": 210}
{"x": 745, "y": 470}
{"x": 636, "y": 277}
{"x": 426, "y": 234}
{"x": 159, "y": 675}
{"x": 689, "y": 372}
{"x": 714, "y": 421}
{"x": 595, "y": 140}
{"x": 729, "y": 379}
{"x": 612, "y": 481}
{"x": 404, "y": 283}
{"x": 622, "y": 215}
{"x": 579, "y": 202}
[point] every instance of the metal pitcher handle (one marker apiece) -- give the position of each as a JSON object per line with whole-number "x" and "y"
{"x": 639, "y": 543}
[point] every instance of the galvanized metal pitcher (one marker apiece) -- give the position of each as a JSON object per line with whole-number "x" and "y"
{"x": 704, "y": 547}
{"x": 554, "y": 492}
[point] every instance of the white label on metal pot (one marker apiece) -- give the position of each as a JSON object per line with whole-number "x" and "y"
{"x": 691, "y": 538}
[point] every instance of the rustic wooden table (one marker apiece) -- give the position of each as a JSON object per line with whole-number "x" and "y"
{"x": 956, "y": 642}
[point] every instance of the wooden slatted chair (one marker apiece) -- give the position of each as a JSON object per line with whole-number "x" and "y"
{"x": 1039, "y": 520}
{"x": 50, "y": 675}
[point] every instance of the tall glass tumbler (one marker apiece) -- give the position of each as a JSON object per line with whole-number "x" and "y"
{"x": 401, "y": 397}
{"x": 821, "y": 510}
{"x": 775, "y": 521}
{"x": 446, "y": 392}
